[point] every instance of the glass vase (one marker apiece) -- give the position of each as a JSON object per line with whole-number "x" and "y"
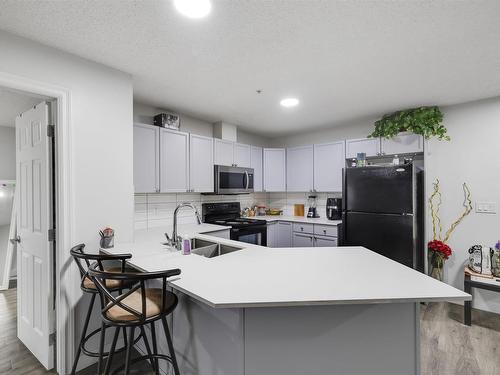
{"x": 436, "y": 266}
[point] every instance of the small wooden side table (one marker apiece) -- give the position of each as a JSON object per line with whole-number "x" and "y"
{"x": 476, "y": 280}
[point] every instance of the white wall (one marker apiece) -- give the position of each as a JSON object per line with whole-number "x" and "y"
{"x": 144, "y": 113}
{"x": 101, "y": 124}
{"x": 7, "y": 153}
{"x": 359, "y": 128}
{"x": 473, "y": 156}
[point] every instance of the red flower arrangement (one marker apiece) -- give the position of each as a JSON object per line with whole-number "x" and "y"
{"x": 440, "y": 248}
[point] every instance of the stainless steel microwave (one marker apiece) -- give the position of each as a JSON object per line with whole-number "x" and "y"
{"x": 233, "y": 180}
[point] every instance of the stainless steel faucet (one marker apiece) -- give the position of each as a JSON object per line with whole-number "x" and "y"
{"x": 174, "y": 241}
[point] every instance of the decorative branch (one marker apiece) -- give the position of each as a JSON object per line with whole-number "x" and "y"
{"x": 468, "y": 209}
{"x": 437, "y": 228}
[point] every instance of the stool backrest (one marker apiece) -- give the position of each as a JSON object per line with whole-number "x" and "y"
{"x": 137, "y": 280}
{"x": 84, "y": 260}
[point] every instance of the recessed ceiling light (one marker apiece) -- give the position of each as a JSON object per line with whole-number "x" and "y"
{"x": 193, "y": 8}
{"x": 289, "y": 102}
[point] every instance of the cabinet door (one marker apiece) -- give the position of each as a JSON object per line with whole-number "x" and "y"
{"x": 284, "y": 234}
{"x": 242, "y": 156}
{"x": 325, "y": 241}
{"x": 299, "y": 168}
{"x": 329, "y": 159}
{"x": 223, "y": 152}
{"x": 272, "y": 234}
{"x": 302, "y": 240}
{"x": 201, "y": 164}
{"x": 370, "y": 146}
{"x": 274, "y": 169}
{"x": 402, "y": 144}
{"x": 174, "y": 161}
{"x": 146, "y": 158}
{"x": 256, "y": 164}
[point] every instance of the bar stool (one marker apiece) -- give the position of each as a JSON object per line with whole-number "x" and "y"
{"x": 136, "y": 308}
{"x": 83, "y": 261}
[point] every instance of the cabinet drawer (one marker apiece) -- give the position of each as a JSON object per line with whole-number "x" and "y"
{"x": 325, "y": 230}
{"x": 303, "y": 228}
{"x": 322, "y": 241}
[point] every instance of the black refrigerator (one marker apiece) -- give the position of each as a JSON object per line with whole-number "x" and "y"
{"x": 383, "y": 210}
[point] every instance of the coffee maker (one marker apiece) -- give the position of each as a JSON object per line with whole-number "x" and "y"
{"x": 334, "y": 208}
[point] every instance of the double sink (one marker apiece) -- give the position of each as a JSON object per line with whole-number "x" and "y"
{"x": 210, "y": 249}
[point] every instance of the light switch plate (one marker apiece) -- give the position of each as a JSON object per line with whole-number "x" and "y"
{"x": 486, "y": 207}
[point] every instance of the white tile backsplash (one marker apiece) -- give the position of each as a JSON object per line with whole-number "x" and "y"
{"x": 285, "y": 201}
{"x": 155, "y": 210}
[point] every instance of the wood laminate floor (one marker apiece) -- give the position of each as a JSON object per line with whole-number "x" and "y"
{"x": 447, "y": 346}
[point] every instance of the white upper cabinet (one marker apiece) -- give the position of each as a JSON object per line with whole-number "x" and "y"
{"x": 402, "y": 144}
{"x": 370, "y": 146}
{"x": 274, "y": 169}
{"x": 329, "y": 159}
{"x": 174, "y": 161}
{"x": 223, "y": 152}
{"x": 146, "y": 158}
{"x": 201, "y": 164}
{"x": 256, "y": 164}
{"x": 242, "y": 157}
{"x": 299, "y": 165}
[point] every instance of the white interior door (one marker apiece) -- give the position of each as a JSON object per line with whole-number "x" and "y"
{"x": 35, "y": 314}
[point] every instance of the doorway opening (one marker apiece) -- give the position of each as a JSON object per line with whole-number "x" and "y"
{"x": 28, "y": 198}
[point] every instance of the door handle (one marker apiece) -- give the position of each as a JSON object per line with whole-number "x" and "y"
{"x": 15, "y": 240}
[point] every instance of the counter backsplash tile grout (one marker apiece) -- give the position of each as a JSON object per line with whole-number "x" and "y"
{"x": 156, "y": 209}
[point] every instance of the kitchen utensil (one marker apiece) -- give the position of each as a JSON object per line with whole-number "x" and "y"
{"x": 312, "y": 211}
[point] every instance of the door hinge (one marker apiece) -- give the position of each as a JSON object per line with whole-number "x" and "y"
{"x": 52, "y": 234}
{"x": 52, "y": 339}
{"x": 51, "y": 131}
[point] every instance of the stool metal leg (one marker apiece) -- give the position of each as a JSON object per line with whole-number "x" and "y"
{"x": 130, "y": 343}
{"x": 111, "y": 352}
{"x": 84, "y": 334}
{"x": 101, "y": 348}
{"x": 148, "y": 348}
{"x": 170, "y": 346}
{"x": 155, "y": 347}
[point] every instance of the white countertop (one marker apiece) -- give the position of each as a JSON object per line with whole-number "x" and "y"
{"x": 261, "y": 276}
{"x": 298, "y": 219}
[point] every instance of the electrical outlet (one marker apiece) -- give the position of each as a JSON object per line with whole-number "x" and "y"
{"x": 486, "y": 207}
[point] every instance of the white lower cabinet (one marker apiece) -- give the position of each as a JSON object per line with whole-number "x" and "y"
{"x": 325, "y": 241}
{"x": 272, "y": 234}
{"x": 303, "y": 240}
{"x": 294, "y": 234}
{"x": 284, "y": 234}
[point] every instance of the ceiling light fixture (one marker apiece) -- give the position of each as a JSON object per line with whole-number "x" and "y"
{"x": 193, "y": 8}
{"x": 289, "y": 102}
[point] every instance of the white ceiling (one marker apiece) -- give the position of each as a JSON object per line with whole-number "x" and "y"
{"x": 12, "y": 103}
{"x": 342, "y": 59}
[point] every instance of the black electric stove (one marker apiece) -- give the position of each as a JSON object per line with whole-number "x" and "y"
{"x": 247, "y": 230}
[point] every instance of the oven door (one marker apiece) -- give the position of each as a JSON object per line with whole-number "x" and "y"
{"x": 233, "y": 180}
{"x": 256, "y": 235}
